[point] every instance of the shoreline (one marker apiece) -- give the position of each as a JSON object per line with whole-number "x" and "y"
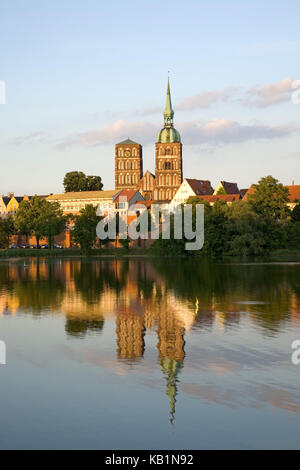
{"x": 283, "y": 255}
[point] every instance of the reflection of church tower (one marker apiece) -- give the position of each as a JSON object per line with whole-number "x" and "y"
{"x": 168, "y": 156}
{"x": 130, "y": 335}
{"x": 171, "y": 353}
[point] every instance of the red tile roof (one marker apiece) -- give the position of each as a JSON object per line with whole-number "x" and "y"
{"x": 128, "y": 193}
{"x": 251, "y": 190}
{"x": 225, "y": 197}
{"x": 220, "y": 197}
{"x": 200, "y": 186}
{"x": 294, "y": 192}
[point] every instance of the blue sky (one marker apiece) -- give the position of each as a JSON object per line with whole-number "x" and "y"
{"x": 81, "y": 76}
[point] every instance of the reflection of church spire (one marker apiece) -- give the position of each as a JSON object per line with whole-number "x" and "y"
{"x": 171, "y": 368}
{"x": 171, "y": 353}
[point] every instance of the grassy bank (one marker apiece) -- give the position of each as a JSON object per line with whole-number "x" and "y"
{"x": 277, "y": 255}
{"x": 21, "y": 252}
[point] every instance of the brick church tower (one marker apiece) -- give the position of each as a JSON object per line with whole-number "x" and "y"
{"x": 168, "y": 156}
{"x": 128, "y": 165}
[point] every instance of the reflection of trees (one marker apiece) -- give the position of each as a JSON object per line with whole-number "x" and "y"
{"x": 221, "y": 286}
{"x": 39, "y": 291}
{"x": 212, "y": 290}
{"x": 80, "y": 326}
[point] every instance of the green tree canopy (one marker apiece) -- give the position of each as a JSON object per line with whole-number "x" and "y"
{"x": 270, "y": 198}
{"x": 296, "y": 213}
{"x": 84, "y": 232}
{"x": 40, "y": 218}
{"x": 78, "y": 181}
{"x": 7, "y": 229}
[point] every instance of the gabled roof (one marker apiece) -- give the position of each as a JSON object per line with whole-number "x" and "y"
{"x": 294, "y": 192}
{"x": 251, "y": 190}
{"x": 19, "y": 198}
{"x": 230, "y": 188}
{"x": 243, "y": 192}
{"x": 128, "y": 193}
{"x": 128, "y": 142}
{"x": 153, "y": 176}
{"x": 6, "y": 199}
{"x": 200, "y": 186}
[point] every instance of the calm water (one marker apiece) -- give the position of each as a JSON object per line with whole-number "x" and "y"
{"x": 149, "y": 354}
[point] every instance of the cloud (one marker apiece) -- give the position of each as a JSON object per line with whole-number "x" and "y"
{"x": 224, "y": 131}
{"x": 36, "y": 137}
{"x": 205, "y": 99}
{"x": 270, "y": 94}
{"x": 215, "y": 132}
{"x": 120, "y": 130}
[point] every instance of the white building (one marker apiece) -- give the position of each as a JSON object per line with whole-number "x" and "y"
{"x": 190, "y": 188}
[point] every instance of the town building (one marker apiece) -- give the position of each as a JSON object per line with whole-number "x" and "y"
{"x": 190, "y": 188}
{"x": 73, "y": 202}
{"x": 228, "y": 198}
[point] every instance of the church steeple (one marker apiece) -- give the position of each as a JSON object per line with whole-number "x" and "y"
{"x": 168, "y": 133}
{"x": 168, "y": 112}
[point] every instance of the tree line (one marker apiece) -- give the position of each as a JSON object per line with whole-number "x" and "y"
{"x": 35, "y": 217}
{"x": 254, "y": 227}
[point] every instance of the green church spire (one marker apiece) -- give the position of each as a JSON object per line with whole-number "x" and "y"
{"x": 168, "y": 133}
{"x": 168, "y": 112}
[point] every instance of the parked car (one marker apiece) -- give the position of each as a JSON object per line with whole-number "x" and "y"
{"x": 58, "y": 247}
{"x": 44, "y": 247}
{"x": 13, "y": 246}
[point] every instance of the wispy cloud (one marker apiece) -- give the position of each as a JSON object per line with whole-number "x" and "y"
{"x": 206, "y": 99}
{"x": 215, "y": 132}
{"x": 121, "y": 129}
{"x": 223, "y": 131}
{"x": 269, "y": 95}
{"x": 35, "y": 137}
{"x": 255, "y": 96}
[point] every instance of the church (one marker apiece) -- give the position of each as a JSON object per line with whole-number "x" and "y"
{"x": 168, "y": 162}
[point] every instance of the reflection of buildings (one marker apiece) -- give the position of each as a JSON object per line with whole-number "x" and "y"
{"x": 130, "y": 335}
{"x": 139, "y": 298}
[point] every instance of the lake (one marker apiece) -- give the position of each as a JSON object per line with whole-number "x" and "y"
{"x": 149, "y": 353}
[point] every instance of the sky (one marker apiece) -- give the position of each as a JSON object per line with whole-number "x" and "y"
{"x": 81, "y": 76}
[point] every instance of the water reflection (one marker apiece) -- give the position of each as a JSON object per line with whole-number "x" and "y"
{"x": 168, "y": 298}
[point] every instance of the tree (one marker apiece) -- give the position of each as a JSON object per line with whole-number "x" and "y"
{"x": 23, "y": 221}
{"x": 270, "y": 199}
{"x": 7, "y": 229}
{"x": 84, "y": 232}
{"x": 247, "y": 234}
{"x": 40, "y": 218}
{"x": 78, "y": 181}
{"x": 94, "y": 183}
{"x": 296, "y": 213}
{"x": 52, "y": 221}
